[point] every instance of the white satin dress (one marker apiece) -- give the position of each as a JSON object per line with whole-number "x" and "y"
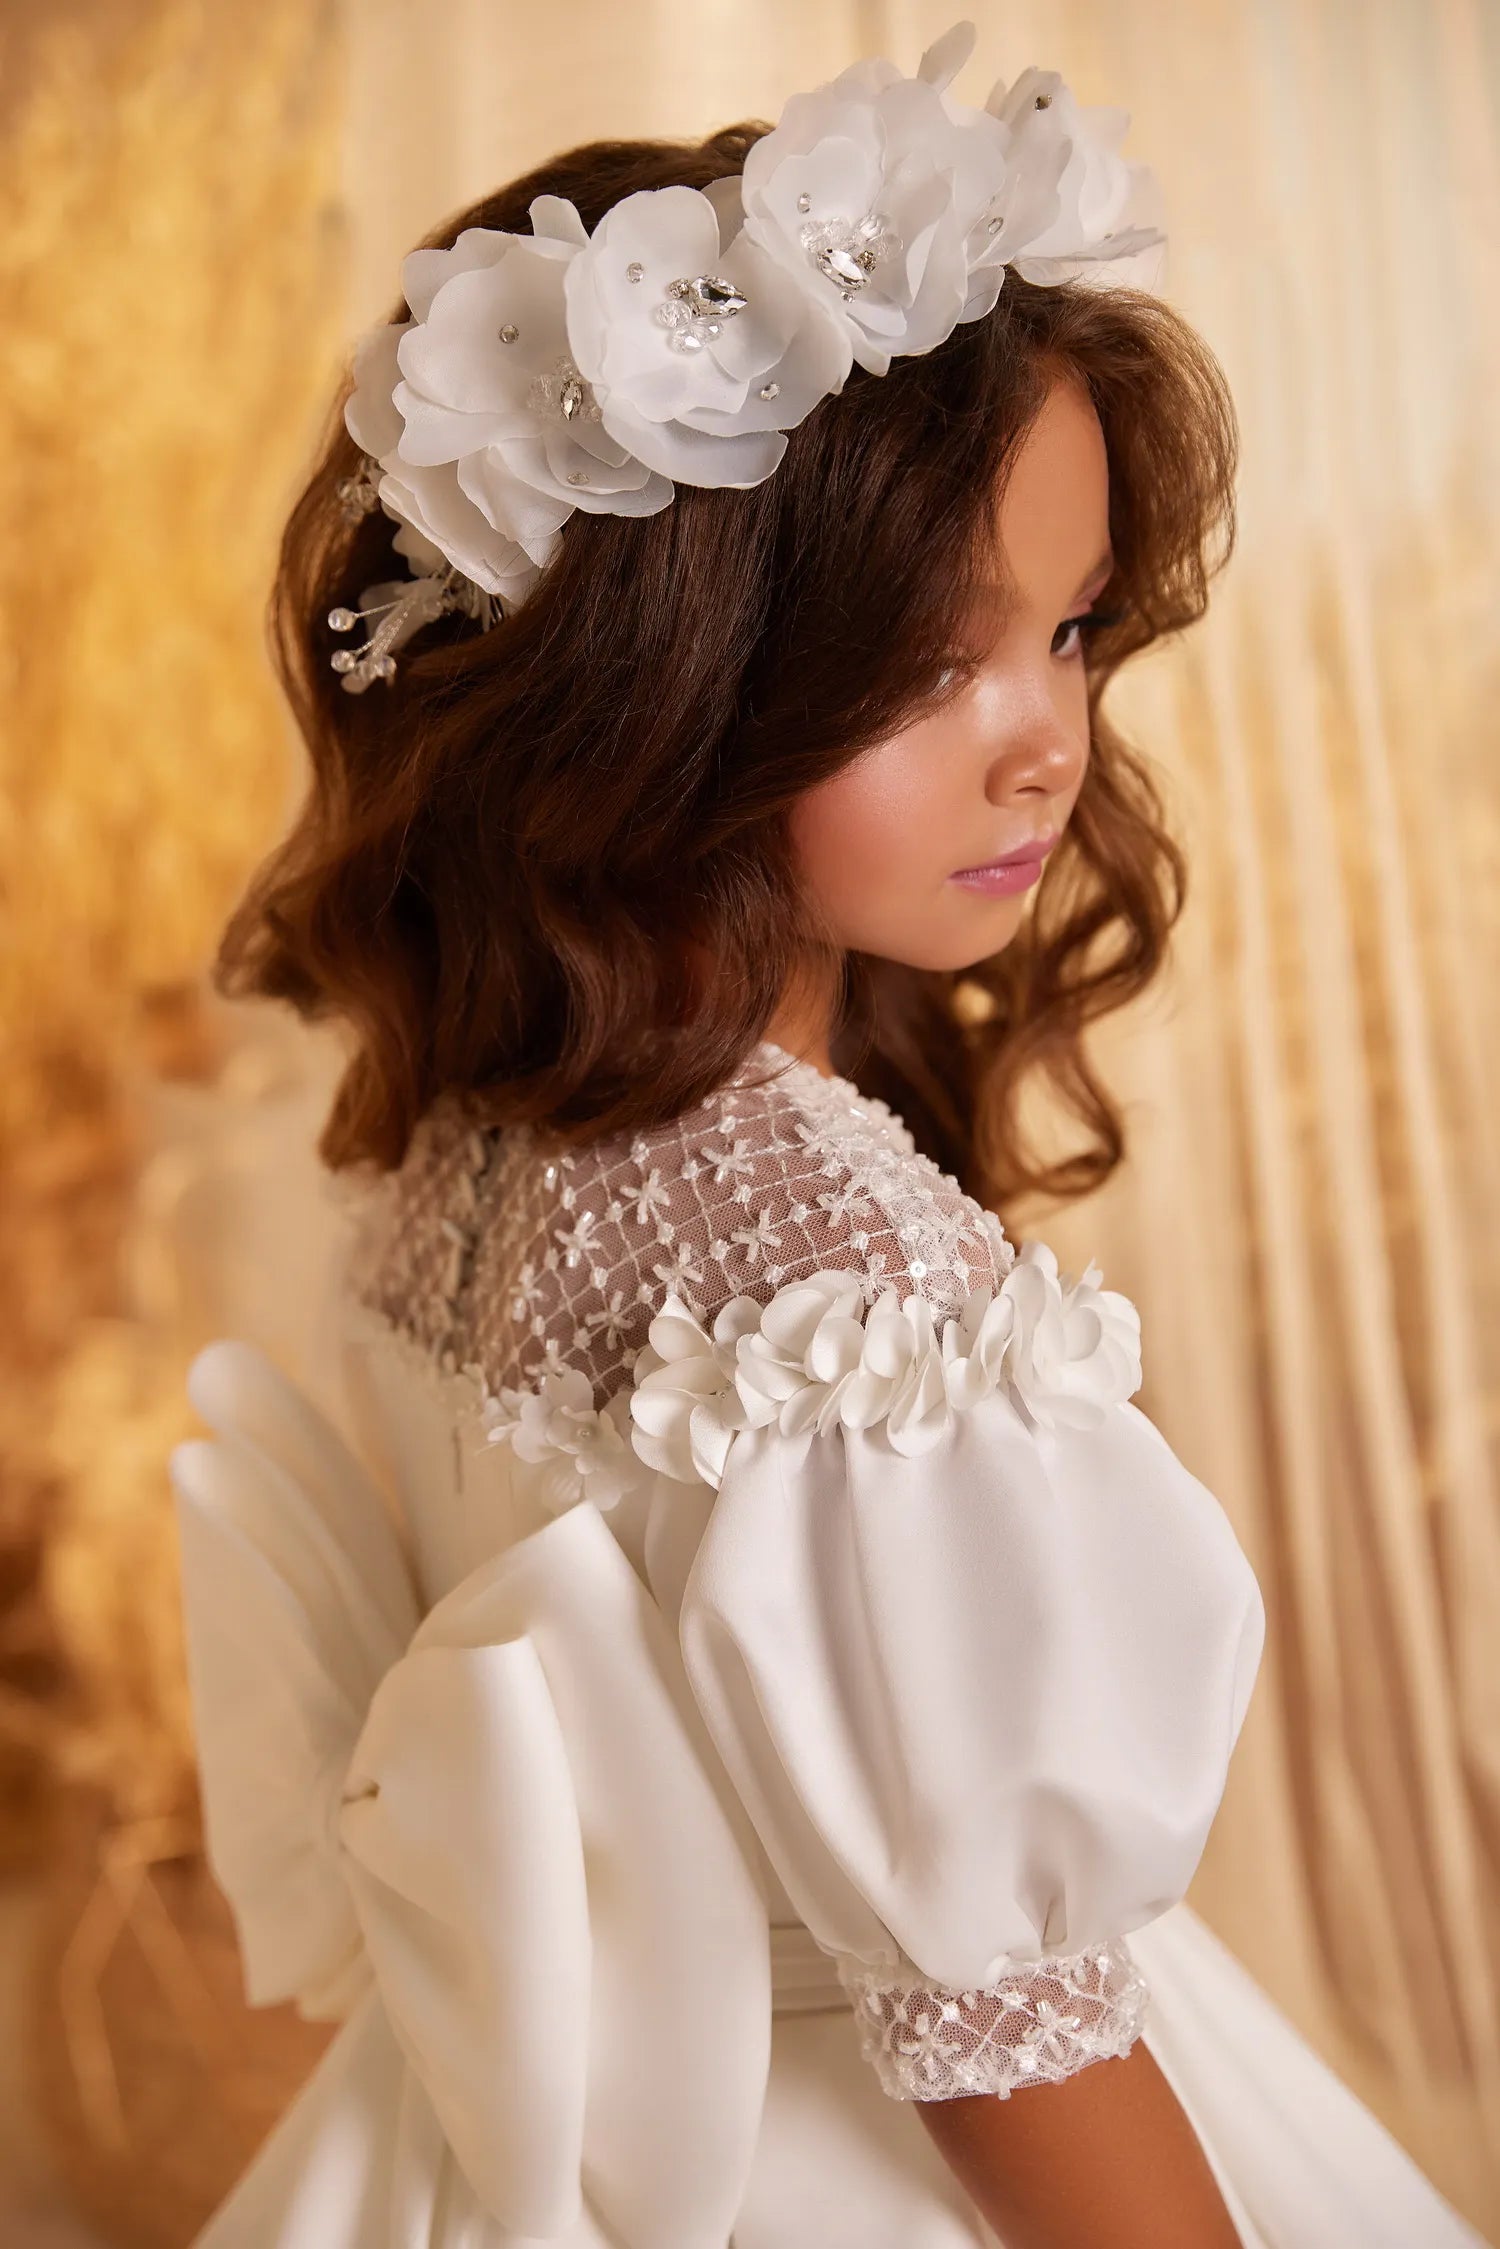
{"x": 756, "y": 1671}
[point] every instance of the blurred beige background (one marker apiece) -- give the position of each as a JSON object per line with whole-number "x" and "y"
{"x": 202, "y": 205}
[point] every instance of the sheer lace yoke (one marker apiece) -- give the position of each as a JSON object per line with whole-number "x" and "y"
{"x": 495, "y": 1250}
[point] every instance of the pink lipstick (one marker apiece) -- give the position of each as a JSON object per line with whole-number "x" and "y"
{"x": 1000, "y": 878}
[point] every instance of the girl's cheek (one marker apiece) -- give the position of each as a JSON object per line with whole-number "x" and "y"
{"x": 867, "y": 832}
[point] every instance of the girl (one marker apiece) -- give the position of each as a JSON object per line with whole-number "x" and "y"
{"x": 742, "y": 1797}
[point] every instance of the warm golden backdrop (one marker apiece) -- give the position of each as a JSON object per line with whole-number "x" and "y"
{"x": 202, "y": 204}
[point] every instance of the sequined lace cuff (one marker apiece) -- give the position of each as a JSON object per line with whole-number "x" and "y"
{"x": 1048, "y": 2019}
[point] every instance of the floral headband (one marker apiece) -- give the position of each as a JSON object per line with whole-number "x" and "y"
{"x": 682, "y": 339}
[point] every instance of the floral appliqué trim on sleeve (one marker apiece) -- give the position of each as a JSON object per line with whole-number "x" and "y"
{"x": 815, "y": 1357}
{"x": 1064, "y": 1350}
{"x": 1044, "y": 2022}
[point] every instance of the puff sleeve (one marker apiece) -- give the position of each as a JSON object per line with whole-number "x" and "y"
{"x": 974, "y": 1647}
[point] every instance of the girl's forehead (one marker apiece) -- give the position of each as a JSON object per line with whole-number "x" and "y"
{"x": 1050, "y": 521}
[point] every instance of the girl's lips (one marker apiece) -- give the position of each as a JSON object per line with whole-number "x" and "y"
{"x": 1002, "y": 878}
{"x": 999, "y": 878}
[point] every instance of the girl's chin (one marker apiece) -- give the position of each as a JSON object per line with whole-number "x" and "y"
{"x": 987, "y": 934}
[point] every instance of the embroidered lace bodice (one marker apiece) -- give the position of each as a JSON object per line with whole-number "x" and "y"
{"x": 497, "y": 1252}
{"x": 782, "y": 1254}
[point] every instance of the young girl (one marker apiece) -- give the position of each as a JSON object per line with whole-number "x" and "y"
{"x": 741, "y": 1792}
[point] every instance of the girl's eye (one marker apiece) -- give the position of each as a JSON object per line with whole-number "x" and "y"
{"x": 963, "y": 666}
{"x": 1095, "y": 621}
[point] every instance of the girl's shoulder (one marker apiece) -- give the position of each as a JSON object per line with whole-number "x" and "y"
{"x": 500, "y": 1249}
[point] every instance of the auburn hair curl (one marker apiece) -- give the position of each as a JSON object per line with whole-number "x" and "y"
{"x": 547, "y": 869}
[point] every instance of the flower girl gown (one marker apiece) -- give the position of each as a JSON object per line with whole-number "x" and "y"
{"x": 759, "y": 1672}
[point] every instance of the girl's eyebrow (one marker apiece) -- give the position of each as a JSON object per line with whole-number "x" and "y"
{"x": 1002, "y": 591}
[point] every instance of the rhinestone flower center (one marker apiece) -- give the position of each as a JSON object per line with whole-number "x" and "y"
{"x": 695, "y": 308}
{"x": 359, "y": 495}
{"x": 847, "y": 251}
{"x": 564, "y": 392}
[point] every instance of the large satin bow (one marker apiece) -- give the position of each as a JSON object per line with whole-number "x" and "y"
{"x": 501, "y": 1815}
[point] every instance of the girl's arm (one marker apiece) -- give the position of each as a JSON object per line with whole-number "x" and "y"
{"x": 1104, "y": 2160}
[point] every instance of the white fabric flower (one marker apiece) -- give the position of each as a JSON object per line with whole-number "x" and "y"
{"x": 1074, "y": 208}
{"x": 500, "y": 1412}
{"x": 492, "y": 389}
{"x": 442, "y": 525}
{"x": 812, "y": 1359}
{"x": 581, "y": 1453}
{"x": 543, "y": 373}
{"x": 684, "y": 1407}
{"x": 876, "y": 191}
{"x": 815, "y": 1362}
{"x": 1068, "y": 1350}
{"x": 902, "y": 1348}
{"x": 700, "y": 349}
{"x": 976, "y": 1341}
{"x": 798, "y": 1361}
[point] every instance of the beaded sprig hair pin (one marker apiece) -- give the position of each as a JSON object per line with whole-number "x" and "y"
{"x": 679, "y": 342}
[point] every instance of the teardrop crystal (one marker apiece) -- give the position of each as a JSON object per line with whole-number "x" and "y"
{"x": 851, "y": 269}
{"x": 708, "y": 295}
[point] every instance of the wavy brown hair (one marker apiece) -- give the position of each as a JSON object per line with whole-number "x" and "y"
{"x": 547, "y": 869}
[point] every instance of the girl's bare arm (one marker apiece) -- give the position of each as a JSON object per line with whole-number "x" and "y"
{"x": 1105, "y": 2160}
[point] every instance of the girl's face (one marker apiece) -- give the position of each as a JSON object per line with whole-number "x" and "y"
{"x": 886, "y": 844}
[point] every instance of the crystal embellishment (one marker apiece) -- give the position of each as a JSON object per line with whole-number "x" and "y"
{"x": 563, "y": 391}
{"x": 695, "y": 308}
{"x": 847, "y": 252}
{"x": 707, "y": 295}
{"x": 359, "y": 495}
{"x": 390, "y": 624}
